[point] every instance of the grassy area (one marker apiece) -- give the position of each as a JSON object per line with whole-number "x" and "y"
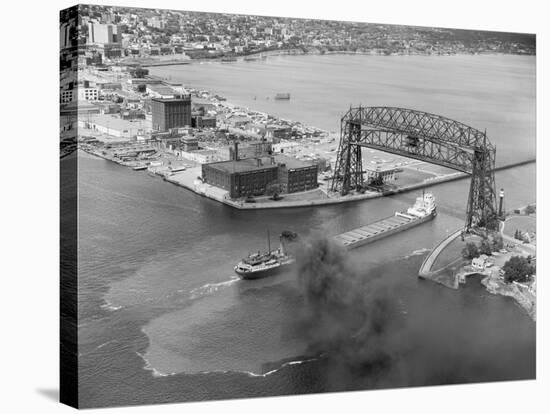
{"x": 452, "y": 254}
{"x": 523, "y": 223}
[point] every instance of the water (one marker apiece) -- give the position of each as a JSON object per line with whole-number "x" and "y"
{"x": 492, "y": 92}
{"x": 162, "y": 317}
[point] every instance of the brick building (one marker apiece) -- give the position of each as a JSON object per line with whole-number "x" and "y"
{"x": 251, "y": 176}
{"x": 171, "y": 113}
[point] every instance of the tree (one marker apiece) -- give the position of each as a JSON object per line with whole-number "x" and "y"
{"x": 498, "y": 242}
{"x": 470, "y": 251}
{"x": 518, "y": 269}
{"x": 377, "y": 181}
{"x": 531, "y": 209}
{"x": 485, "y": 247}
{"x": 491, "y": 222}
{"x": 273, "y": 189}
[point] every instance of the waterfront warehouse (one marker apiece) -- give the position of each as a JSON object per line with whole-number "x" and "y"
{"x": 171, "y": 112}
{"x": 251, "y": 176}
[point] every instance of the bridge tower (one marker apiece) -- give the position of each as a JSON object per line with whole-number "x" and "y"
{"x": 481, "y": 210}
{"x": 426, "y": 137}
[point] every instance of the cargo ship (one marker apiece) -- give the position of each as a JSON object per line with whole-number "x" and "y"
{"x": 424, "y": 209}
{"x": 261, "y": 264}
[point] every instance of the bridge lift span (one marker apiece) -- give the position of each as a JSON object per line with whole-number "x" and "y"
{"x": 422, "y": 136}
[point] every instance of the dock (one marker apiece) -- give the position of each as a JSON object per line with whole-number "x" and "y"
{"x": 375, "y": 231}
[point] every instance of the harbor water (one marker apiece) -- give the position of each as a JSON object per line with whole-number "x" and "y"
{"x": 163, "y": 318}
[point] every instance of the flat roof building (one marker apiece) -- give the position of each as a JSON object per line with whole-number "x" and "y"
{"x": 113, "y": 125}
{"x": 252, "y": 176}
{"x": 384, "y": 173}
{"x": 103, "y": 33}
{"x": 171, "y": 113}
{"x": 161, "y": 91}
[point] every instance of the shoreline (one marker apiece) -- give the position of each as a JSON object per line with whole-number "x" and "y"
{"x": 489, "y": 280}
{"x": 495, "y": 286}
{"x": 210, "y": 192}
{"x": 215, "y": 194}
{"x": 300, "y": 52}
{"x": 308, "y": 132}
{"x": 455, "y": 273}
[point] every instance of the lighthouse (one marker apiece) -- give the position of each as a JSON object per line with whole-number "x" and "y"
{"x": 501, "y": 202}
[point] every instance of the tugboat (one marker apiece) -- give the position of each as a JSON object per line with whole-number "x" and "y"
{"x": 259, "y": 265}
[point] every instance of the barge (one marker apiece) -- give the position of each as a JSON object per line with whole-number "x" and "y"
{"x": 423, "y": 210}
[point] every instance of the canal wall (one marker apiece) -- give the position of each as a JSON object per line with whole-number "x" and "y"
{"x": 439, "y": 275}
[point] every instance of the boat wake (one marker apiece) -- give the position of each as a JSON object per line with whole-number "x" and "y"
{"x": 110, "y": 307}
{"x": 418, "y": 252}
{"x": 286, "y": 364}
{"x": 210, "y": 288}
{"x": 106, "y": 343}
{"x": 154, "y": 371}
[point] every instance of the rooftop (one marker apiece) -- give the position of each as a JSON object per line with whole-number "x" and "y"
{"x": 163, "y": 90}
{"x": 114, "y": 122}
{"x": 176, "y": 99}
{"x": 251, "y": 164}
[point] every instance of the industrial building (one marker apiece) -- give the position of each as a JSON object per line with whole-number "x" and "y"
{"x": 112, "y": 125}
{"x": 251, "y": 176}
{"x": 250, "y": 149}
{"x": 88, "y": 94}
{"x": 171, "y": 113}
{"x": 160, "y": 91}
{"x": 199, "y": 121}
{"x": 103, "y": 33}
{"x": 386, "y": 174}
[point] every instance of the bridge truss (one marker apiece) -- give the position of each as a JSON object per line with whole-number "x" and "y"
{"x": 422, "y": 136}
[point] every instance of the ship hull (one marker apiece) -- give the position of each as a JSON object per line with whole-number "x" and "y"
{"x": 260, "y": 274}
{"x": 352, "y": 244}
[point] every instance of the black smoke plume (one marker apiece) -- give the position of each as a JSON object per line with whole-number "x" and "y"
{"x": 353, "y": 316}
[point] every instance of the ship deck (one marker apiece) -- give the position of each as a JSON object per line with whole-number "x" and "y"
{"x": 370, "y": 232}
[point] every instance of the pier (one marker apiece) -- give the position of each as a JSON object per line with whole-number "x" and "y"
{"x": 426, "y": 270}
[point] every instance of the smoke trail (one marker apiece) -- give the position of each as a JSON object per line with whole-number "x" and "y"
{"x": 349, "y": 317}
{"x": 353, "y": 317}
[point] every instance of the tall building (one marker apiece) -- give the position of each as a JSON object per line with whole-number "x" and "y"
{"x": 103, "y": 33}
{"x": 66, "y": 32}
{"x": 171, "y": 112}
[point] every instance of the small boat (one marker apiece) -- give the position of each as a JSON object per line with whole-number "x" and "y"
{"x": 176, "y": 169}
{"x": 282, "y": 96}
